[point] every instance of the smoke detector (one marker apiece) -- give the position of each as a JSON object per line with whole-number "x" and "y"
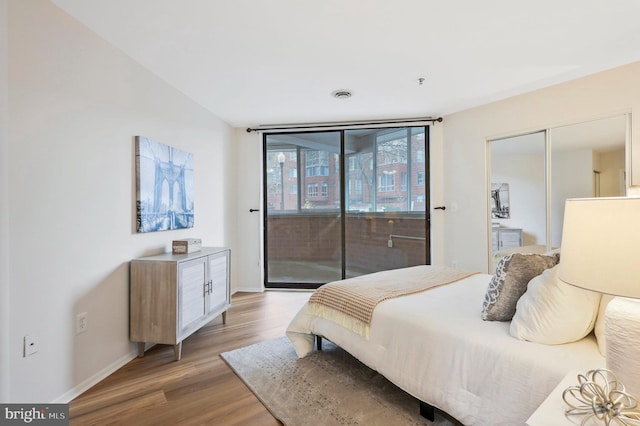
{"x": 342, "y": 94}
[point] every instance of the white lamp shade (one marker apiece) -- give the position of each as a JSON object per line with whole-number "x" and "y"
{"x": 601, "y": 245}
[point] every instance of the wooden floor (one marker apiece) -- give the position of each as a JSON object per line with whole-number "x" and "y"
{"x": 200, "y": 389}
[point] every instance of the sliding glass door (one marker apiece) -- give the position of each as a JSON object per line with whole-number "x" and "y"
{"x": 344, "y": 203}
{"x": 386, "y": 199}
{"x": 303, "y": 220}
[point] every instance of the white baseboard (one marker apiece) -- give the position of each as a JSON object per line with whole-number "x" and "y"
{"x": 119, "y": 363}
{"x": 95, "y": 379}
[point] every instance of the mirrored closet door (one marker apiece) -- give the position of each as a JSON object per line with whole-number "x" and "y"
{"x": 587, "y": 160}
{"x": 518, "y": 195}
{"x": 532, "y": 175}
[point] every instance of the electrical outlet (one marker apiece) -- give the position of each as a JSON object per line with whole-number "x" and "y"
{"x": 390, "y": 243}
{"x": 82, "y": 322}
{"x": 30, "y": 345}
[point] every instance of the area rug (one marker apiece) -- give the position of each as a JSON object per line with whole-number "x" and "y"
{"x": 329, "y": 387}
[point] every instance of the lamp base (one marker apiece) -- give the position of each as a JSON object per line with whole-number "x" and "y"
{"x": 622, "y": 330}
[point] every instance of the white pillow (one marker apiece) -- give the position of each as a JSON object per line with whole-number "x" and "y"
{"x": 599, "y": 328}
{"x": 552, "y": 312}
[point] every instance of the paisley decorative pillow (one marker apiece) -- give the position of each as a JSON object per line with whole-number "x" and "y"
{"x": 509, "y": 283}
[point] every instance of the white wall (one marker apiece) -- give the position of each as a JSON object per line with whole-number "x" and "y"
{"x": 465, "y": 134}
{"x": 249, "y": 230}
{"x": 4, "y": 206}
{"x": 75, "y": 105}
{"x": 438, "y": 198}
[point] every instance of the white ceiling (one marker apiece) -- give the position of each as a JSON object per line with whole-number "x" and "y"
{"x": 255, "y": 62}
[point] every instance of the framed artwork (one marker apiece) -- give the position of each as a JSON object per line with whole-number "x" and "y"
{"x": 164, "y": 187}
{"x": 500, "y": 201}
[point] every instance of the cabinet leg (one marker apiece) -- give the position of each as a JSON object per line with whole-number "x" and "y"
{"x": 224, "y": 317}
{"x": 177, "y": 351}
{"x": 140, "y": 349}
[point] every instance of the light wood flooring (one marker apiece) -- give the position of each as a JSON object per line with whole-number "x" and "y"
{"x": 200, "y": 389}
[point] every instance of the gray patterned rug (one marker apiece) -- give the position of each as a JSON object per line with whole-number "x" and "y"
{"x": 325, "y": 388}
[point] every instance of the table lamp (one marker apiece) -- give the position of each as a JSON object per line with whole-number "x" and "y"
{"x": 601, "y": 252}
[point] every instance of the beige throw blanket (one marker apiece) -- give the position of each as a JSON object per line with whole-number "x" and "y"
{"x": 351, "y": 302}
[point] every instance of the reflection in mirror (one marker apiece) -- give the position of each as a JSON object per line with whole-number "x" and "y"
{"x": 587, "y": 160}
{"x": 518, "y": 197}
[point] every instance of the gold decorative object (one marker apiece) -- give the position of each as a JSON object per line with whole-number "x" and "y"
{"x": 601, "y": 399}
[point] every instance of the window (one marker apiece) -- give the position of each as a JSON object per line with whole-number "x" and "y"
{"x": 317, "y": 171}
{"x": 330, "y": 197}
{"x": 355, "y": 162}
{"x": 383, "y": 170}
{"x": 387, "y": 182}
{"x": 358, "y": 187}
{"x": 317, "y": 163}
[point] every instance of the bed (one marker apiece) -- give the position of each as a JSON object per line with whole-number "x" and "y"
{"x": 434, "y": 345}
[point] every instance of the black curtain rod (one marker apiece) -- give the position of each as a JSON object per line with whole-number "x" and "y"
{"x": 346, "y": 124}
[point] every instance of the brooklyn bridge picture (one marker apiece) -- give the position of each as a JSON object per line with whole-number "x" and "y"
{"x": 500, "y": 207}
{"x": 164, "y": 187}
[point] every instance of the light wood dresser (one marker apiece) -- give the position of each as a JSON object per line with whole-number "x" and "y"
{"x": 174, "y": 295}
{"x": 505, "y": 238}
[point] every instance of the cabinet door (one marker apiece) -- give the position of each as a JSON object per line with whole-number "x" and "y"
{"x": 218, "y": 276}
{"x": 495, "y": 241}
{"x": 510, "y": 238}
{"x": 191, "y": 280}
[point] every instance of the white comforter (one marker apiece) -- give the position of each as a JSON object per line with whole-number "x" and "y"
{"x": 435, "y": 346}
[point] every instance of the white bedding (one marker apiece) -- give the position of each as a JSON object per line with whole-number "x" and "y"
{"x": 435, "y": 346}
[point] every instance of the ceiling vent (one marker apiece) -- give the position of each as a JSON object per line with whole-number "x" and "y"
{"x": 342, "y": 94}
